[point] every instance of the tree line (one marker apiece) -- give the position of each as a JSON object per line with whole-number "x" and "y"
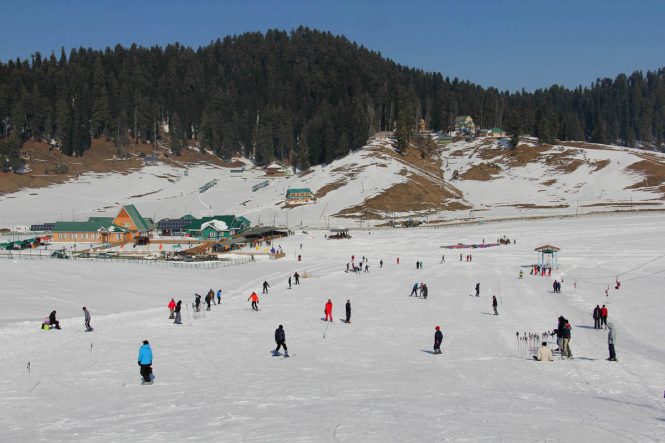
{"x": 305, "y": 97}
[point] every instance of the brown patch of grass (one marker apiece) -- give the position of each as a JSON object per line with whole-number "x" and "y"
{"x": 481, "y": 172}
{"x": 653, "y": 172}
{"x": 534, "y": 206}
{"x": 490, "y": 153}
{"x": 321, "y": 192}
{"x": 599, "y": 164}
{"x": 523, "y": 155}
{"x": 549, "y": 182}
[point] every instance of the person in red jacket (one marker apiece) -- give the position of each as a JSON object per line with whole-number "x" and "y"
{"x": 171, "y": 309}
{"x": 255, "y": 299}
{"x": 328, "y": 310}
{"x": 603, "y": 316}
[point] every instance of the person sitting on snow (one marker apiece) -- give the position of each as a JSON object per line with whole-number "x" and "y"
{"x": 544, "y": 353}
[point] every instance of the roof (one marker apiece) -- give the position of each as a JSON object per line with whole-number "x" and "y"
{"x": 461, "y": 118}
{"x": 142, "y": 225}
{"x": 340, "y": 230}
{"x": 546, "y": 248}
{"x": 231, "y": 221}
{"x": 108, "y": 220}
{"x": 273, "y": 166}
{"x": 298, "y": 191}
{"x": 188, "y": 217}
{"x": 86, "y": 226}
{"x": 496, "y": 130}
{"x": 173, "y": 224}
{"x": 217, "y": 225}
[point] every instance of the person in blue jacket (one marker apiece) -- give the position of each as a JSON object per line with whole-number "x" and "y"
{"x": 145, "y": 362}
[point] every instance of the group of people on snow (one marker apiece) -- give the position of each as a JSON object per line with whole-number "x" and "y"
{"x": 422, "y": 288}
{"x": 599, "y": 317}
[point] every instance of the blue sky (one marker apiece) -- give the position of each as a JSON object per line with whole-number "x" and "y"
{"x": 508, "y": 44}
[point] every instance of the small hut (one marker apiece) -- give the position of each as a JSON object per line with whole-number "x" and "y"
{"x": 336, "y": 234}
{"x": 548, "y": 256}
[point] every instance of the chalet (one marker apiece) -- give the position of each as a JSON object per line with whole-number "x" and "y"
{"x": 464, "y": 124}
{"x": 497, "y": 133}
{"x": 274, "y": 170}
{"x": 217, "y": 226}
{"x": 126, "y": 226}
{"x": 299, "y": 195}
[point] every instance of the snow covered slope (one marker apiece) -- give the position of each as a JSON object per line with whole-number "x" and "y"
{"x": 373, "y": 380}
{"x": 371, "y": 186}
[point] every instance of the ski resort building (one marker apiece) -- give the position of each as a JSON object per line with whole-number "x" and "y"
{"x": 126, "y": 226}
{"x": 299, "y": 195}
{"x": 274, "y": 170}
{"x": 464, "y": 124}
{"x": 217, "y": 226}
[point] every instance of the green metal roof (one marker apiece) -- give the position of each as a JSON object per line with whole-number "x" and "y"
{"x": 231, "y": 221}
{"x": 142, "y": 225}
{"x": 108, "y": 220}
{"x": 297, "y": 191}
{"x": 496, "y": 130}
{"x": 86, "y": 226}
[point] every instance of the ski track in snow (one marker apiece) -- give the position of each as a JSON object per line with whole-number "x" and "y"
{"x": 372, "y": 380}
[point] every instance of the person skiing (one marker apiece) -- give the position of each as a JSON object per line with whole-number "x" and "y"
{"x": 171, "y": 308}
{"x": 366, "y": 267}
{"x": 443, "y": 258}
{"x": 219, "y": 296}
{"x": 544, "y": 353}
{"x": 495, "y": 305}
{"x": 424, "y": 291}
{"x": 296, "y": 276}
{"x": 477, "y": 289}
{"x": 197, "y": 302}
{"x": 566, "y": 341}
{"x": 265, "y": 287}
{"x": 418, "y": 265}
{"x": 603, "y": 316}
{"x": 381, "y": 263}
{"x": 438, "y": 338}
{"x": 255, "y": 299}
{"x": 280, "y": 339}
{"x": 596, "y": 317}
{"x": 208, "y": 299}
{"x": 328, "y": 310}
{"x": 86, "y": 315}
{"x": 611, "y": 341}
{"x": 348, "y": 311}
{"x": 414, "y": 290}
{"x": 211, "y": 293}
{"x": 145, "y": 362}
{"x": 290, "y": 280}
{"x": 347, "y": 267}
{"x": 52, "y": 321}
{"x": 178, "y": 318}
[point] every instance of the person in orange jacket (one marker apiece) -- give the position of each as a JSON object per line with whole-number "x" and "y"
{"x": 171, "y": 309}
{"x": 328, "y": 310}
{"x": 255, "y": 299}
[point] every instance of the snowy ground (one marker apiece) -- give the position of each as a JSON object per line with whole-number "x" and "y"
{"x": 372, "y": 380}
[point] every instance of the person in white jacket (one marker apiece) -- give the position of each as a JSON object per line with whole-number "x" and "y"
{"x": 544, "y": 353}
{"x": 611, "y": 340}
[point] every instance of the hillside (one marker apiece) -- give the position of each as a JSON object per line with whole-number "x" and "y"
{"x": 371, "y": 186}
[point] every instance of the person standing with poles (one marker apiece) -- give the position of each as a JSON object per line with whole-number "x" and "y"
{"x": 280, "y": 339}
{"x": 265, "y": 287}
{"x": 494, "y": 305}
{"x": 86, "y": 314}
{"x": 145, "y": 362}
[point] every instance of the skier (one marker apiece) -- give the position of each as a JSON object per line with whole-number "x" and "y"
{"x": 381, "y": 264}
{"x": 53, "y": 321}
{"x": 347, "y": 267}
{"x": 438, "y": 338}
{"x": 521, "y": 274}
{"x": 443, "y": 258}
{"x": 86, "y": 314}
{"x": 178, "y": 318}
{"x": 145, "y": 362}
{"x": 280, "y": 339}
{"x": 265, "y": 287}
{"x": 296, "y": 276}
{"x": 494, "y": 305}
{"x": 255, "y": 300}
{"x": 424, "y": 291}
{"x": 414, "y": 290}
{"x": 219, "y": 296}
{"x": 544, "y": 353}
{"x": 603, "y": 316}
{"x": 211, "y": 293}
{"x": 171, "y": 308}
{"x": 197, "y": 302}
{"x": 328, "y": 310}
{"x": 366, "y": 267}
{"x": 477, "y": 289}
{"x": 348, "y": 311}
{"x": 596, "y": 317}
{"x": 208, "y": 299}
{"x": 611, "y": 340}
{"x": 290, "y": 280}
{"x": 417, "y": 265}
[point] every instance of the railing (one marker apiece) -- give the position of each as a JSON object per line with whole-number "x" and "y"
{"x": 211, "y": 264}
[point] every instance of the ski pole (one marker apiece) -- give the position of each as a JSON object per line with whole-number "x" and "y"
{"x": 324, "y": 332}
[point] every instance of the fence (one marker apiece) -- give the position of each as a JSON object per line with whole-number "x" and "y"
{"x": 213, "y": 264}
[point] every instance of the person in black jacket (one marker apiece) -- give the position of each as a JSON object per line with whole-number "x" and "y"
{"x": 477, "y": 289}
{"x": 438, "y": 338}
{"x": 559, "y": 331}
{"x": 265, "y": 287}
{"x": 52, "y": 321}
{"x": 280, "y": 339}
{"x": 208, "y": 300}
{"x": 495, "y": 304}
{"x": 178, "y": 318}
{"x": 348, "y": 311}
{"x": 596, "y": 317}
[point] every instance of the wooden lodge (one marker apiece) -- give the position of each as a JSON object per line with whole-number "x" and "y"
{"x": 126, "y": 226}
